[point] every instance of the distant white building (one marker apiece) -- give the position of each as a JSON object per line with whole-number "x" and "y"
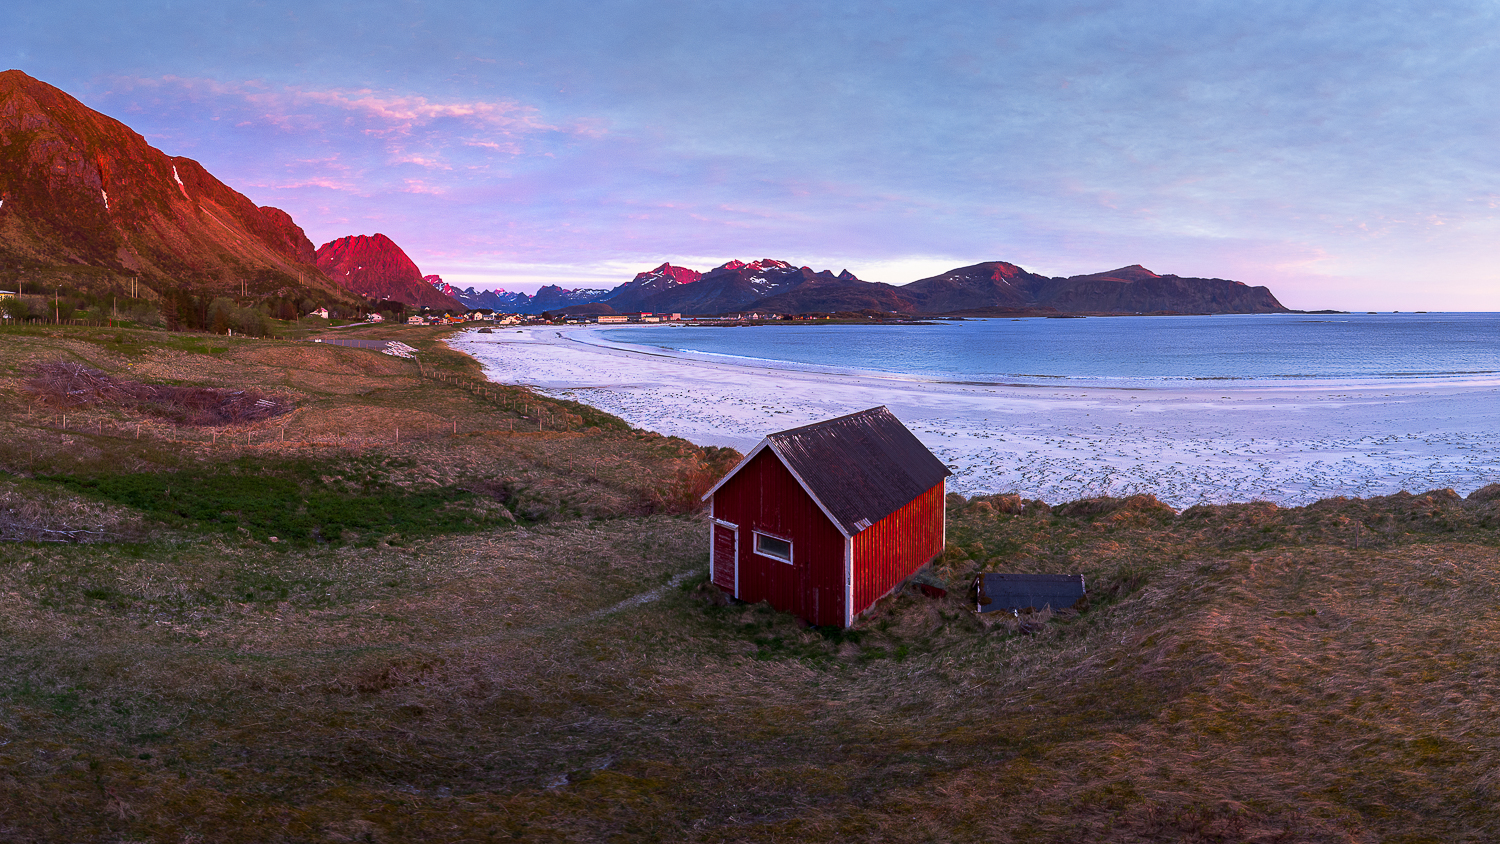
{"x": 320, "y": 312}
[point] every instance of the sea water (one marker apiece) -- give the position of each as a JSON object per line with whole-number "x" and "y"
{"x": 1118, "y": 351}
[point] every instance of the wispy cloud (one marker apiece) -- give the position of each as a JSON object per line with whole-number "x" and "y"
{"x": 419, "y": 186}
{"x": 405, "y": 113}
{"x": 1265, "y": 142}
{"x": 415, "y": 129}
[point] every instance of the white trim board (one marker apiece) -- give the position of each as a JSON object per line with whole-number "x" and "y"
{"x": 802, "y": 482}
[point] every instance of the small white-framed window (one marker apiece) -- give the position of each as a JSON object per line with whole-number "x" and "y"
{"x": 774, "y": 547}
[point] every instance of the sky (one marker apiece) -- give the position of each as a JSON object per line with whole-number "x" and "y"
{"x": 1347, "y": 155}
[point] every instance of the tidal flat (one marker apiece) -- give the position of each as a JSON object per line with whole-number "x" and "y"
{"x": 1187, "y": 443}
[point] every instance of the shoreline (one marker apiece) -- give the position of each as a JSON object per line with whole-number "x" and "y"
{"x": 1213, "y": 442}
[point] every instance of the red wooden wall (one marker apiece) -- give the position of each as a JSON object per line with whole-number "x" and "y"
{"x": 893, "y": 548}
{"x": 763, "y": 495}
{"x": 723, "y": 557}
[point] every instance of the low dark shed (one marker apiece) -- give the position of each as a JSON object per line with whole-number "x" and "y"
{"x": 824, "y": 520}
{"x": 1015, "y": 592}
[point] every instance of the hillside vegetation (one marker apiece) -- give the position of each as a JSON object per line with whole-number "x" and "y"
{"x": 489, "y": 631}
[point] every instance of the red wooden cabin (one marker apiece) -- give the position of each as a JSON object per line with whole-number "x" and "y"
{"x": 824, "y": 520}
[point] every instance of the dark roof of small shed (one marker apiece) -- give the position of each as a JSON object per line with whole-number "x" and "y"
{"x": 860, "y": 468}
{"x": 1011, "y": 592}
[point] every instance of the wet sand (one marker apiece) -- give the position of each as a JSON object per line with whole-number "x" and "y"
{"x": 1291, "y": 444}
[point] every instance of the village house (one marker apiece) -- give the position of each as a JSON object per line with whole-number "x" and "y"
{"x": 824, "y": 520}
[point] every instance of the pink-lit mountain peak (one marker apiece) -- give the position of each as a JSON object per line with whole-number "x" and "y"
{"x": 762, "y": 264}
{"x": 668, "y": 273}
{"x": 376, "y": 268}
{"x": 1134, "y": 272}
{"x": 441, "y": 286}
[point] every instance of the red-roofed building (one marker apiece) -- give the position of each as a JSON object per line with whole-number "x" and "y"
{"x": 824, "y": 520}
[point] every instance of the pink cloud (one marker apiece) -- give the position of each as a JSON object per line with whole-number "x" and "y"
{"x": 402, "y": 113}
{"x": 291, "y": 108}
{"x": 419, "y": 186}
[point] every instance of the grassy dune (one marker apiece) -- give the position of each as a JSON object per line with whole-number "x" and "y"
{"x": 559, "y": 671}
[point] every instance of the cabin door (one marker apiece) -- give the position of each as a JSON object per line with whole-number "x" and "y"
{"x": 726, "y": 557}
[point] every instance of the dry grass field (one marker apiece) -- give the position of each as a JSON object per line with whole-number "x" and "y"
{"x": 559, "y": 672}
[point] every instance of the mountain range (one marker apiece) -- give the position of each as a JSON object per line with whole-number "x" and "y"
{"x": 773, "y": 286}
{"x": 86, "y": 201}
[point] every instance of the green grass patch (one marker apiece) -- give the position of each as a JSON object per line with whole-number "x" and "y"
{"x": 285, "y": 502}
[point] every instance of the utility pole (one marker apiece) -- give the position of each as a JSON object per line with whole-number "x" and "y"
{"x": 56, "y": 306}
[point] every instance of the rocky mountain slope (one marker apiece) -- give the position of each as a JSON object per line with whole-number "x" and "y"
{"x": 662, "y": 282}
{"x": 1135, "y": 289}
{"x": 86, "y": 201}
{"x": 554, "y": 298}
{"x": 774, "y": 286}
{"x": 494, "y": 300}
{"x": 987, "y": 285}
{"x": 1128, "y": 290}
{"x": 376, "y": 268}
{"x": 549, "y": 298}
{"x": 766, "y": 284}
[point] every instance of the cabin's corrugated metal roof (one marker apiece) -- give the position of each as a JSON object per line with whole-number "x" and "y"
{"x": 1012, "y": 592}
{"x": 861, "y": 467}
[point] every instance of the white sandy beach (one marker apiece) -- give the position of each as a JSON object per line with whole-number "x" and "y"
{"x": 1288, "y": 444}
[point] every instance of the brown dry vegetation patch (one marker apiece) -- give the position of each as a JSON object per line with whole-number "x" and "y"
{"x": 428, "y": 425}
{"x": 1242, "y": 673}
{"x": 465, "y": 687}
{"x": 73, "y": 386}
{"x": 29, "y": 513}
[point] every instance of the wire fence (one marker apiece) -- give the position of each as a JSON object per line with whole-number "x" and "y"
{"x": 526, "y": 406}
